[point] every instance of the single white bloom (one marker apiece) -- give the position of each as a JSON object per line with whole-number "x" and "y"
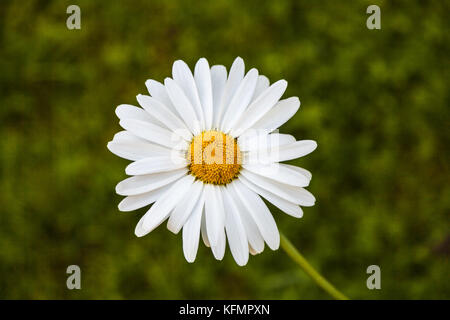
{"x": 204, "y": 152}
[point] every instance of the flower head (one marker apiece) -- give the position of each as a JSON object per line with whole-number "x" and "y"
{"x": 205, "y": 149}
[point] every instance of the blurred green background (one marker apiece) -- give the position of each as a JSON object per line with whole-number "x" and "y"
{"x": 376, "y": 101}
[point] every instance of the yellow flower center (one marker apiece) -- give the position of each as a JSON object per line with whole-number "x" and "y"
{"x": 214, "y": 157}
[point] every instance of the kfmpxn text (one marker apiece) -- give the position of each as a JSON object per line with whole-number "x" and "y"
{"x": 226, "y": 309}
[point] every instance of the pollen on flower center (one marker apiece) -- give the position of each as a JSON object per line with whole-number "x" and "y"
{"x": 214, "y": 157}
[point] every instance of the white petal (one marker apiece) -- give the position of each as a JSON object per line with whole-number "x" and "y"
{"x": 127, "y": 111}
{"x": 254, "y": 236}
{"x": 130, "y": 147}
{"x": 202, "y": 76}
{"x": 260, "y": 214}
{"x": 155, "y": 165}
{"x": 214, "y": 213}
{"x": 183, "y": 105}
{"x": 261, "y": 140}
{"x": 191, "y": 232}
{"x": 278, "y": 115}
{"x": 234, "y": 79}
{"x": 203, "y": 230}
{"x": 219, "y": 249}
{"x": 285, "y": 152}
{"x": 262, "y": 84}
{"x": 158, "y": 91}
{"x": 145, "y": 183}
{"x": 295, "y": 195}
{"x": 258, "y": 108}
{"x": 130, "y": 152}
{"x": 126, "y": 136}
{"x": 280, "y": 173}
{"x": 162, "y": 208}
{"x": 131, "y": 203}
{"x": 305, "y": 172}
{"x": 183, "y": 76}
{"x": 237, "y": 238}
{"x": 252, "y": 251}
{"x": 184, "y": 208}
{"x": 240, "y": 100}
{"x": 153, "y": 133}
{"x": 165, "y": 116}
{"x": 218, "y": 79}
{"x": 282, "y": 204}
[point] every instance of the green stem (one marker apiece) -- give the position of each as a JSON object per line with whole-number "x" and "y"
{"x": 304, "y": 264}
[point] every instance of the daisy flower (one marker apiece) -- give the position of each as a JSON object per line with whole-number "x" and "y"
{"x": 205, "y": 149}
